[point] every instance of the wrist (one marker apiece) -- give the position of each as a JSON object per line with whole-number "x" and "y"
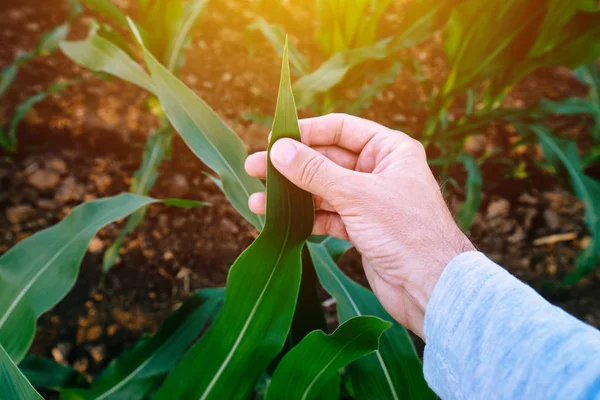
{"x": 420, "y": 290}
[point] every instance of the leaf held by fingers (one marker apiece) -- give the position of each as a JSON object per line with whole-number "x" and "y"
{"x": 262, "y": 288}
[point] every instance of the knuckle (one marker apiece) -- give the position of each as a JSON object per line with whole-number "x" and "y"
{"x": 308, "y": 170}
{"x": 417, "y": 147}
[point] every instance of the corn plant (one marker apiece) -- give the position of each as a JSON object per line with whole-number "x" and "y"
{"x": 345, "y": 25}
{"x": 8, "y": 134}
{"x": 520, "y": 37}
{"x": 167, "y": 27}
{"x": 256, "y": 338}
{"x": 355, "y": 58}
{"x": 46, "y": 45}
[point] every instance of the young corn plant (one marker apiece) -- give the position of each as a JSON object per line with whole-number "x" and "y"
{"x": 356, "y": 59}
{"x": 521, "y": 36}
{"x": 167, "y": 27}
{"x": 46, "y": 45}
{"x": 252, "y": 338}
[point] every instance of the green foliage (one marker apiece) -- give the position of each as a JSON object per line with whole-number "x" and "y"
{"x": 362, "y": 64}
{"x": 345, "y": 25}
{"x": 208, "y": 137}
{"x": 47, "y": 44}
{"x": 262, "y": 287}
{"x": 139, "y": 371}
{"x": 468, "y": 210}
{"x": 167, "y": 28}
{"x": 520, "y": 36}
{"x": 563, "y": 156}
{"x": 392, "y": 372}
{"x": 39, "y": 271}
{"x": 157, "y": 148}
{"x": 100, "y": 54}
{"x": 47, "y": 374}
{"x": 8, "y": 139}
{"x": 14, "y": 385}
{"x": 318, "y": 357}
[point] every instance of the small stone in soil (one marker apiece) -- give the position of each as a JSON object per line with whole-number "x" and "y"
{"x": 57, "y": 165}
{"x": 69, "y": 191}
{"x": 179, "y": 185}
{"x": 18, "y": 214}
{"x": 95, "y": 245}
{"x": 43, "y": 179}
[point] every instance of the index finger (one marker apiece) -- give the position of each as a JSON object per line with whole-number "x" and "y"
{"x": 343, "y": 130}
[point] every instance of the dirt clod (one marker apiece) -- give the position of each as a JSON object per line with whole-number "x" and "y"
{"x": 18, "y": 214}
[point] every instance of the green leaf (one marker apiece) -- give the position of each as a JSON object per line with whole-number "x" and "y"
{"x": 192, "y": 13}
{"x": 468, "y": 210}
{"x": 335, "y": 247}
{"x": 47, "y": 44}
{"x": 262, "y": 287}
{"x": 571, "y": 106}
{"x": 138, "y": 372}
{"x": 22, "y": 110}
{"x": 275, "y": 35}
{"x": 368, "y": 93}
{"x": 108, "y": 10}
{"x": 392, "y": 372}
{"x": 99, "y": 54}
{"x": 14, "y": 385}
{"x": 158, "y": 146}
{"x": 47, "y": 374}
{"x": 318, "y": 357}
{"x": 39, "y": 271}
{"x": 563, "y": 156}
{"x": 208, "y": 136}
{"x": 334, "y": 70}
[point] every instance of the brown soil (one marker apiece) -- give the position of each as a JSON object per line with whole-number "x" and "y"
{"x": 86, "y": 143}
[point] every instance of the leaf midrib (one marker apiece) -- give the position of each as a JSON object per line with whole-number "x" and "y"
{"x": 251, "y": 316}
{"x": 359, "y": 313}
{"x": 32, "y": 281}
{"x": 216, "y": 150}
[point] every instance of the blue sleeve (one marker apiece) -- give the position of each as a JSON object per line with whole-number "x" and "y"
{"x": 490, "y": 336}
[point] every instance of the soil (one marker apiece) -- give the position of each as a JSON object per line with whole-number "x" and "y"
{"x": 87, "y": 141}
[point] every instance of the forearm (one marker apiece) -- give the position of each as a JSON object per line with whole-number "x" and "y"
{"x": 491, "y": 336}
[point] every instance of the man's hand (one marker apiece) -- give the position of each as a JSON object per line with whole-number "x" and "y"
{"x": 372, "y": 186}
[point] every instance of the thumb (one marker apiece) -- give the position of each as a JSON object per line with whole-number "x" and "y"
{"x": 308, "y": 169}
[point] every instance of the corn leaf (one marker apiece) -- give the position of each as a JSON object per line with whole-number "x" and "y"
{"x": 468, "y": 210}
{"x": 334, "y": 70}
{"x": 100, "y": 54}
{"x": 108, "y": 10}
{"x": 571, "y": 106}
{"x": 44, "y": 373}
{"x": 562, "y": 155}
{"x": 39, "y": 271}
{"x": 208, "y": 136}
{"x": 262, "y": 287}
{"x": 392, "y": 372}
{"x": 318, "y": 357}
{"x": 14, "y": 385}
{"x": 9, "y": 139}
{"x": 157, "y": 147}
{"x": 379, "y": 82}
{"x": 181, "y": 36}
{"x": 138, "y": 372}
{"x": 47, "y": 44}
{"x": 275, "y": 35}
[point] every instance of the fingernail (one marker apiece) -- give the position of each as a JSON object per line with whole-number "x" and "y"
{"x": 283, "y": 152}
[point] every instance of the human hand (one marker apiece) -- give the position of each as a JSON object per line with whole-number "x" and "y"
{"x": 372, "y": 186}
